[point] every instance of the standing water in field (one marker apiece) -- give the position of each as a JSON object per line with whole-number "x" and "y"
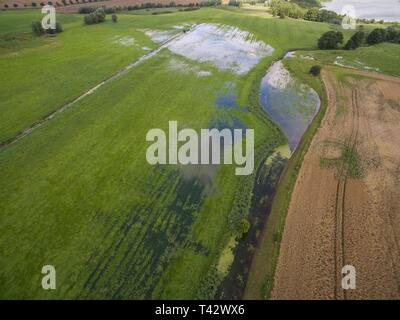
{"x": 225, "y": 47}
{"x": 292, "y": 105}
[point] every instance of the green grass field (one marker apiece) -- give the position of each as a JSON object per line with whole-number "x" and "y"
{"x": 383, "y": 58}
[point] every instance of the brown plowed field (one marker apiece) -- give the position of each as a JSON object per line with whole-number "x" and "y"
{"x": 345, "y": 207}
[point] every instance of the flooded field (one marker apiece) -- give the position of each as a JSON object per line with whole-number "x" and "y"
{"x": 225, "y": 47}
{"x": 290, "y": 104}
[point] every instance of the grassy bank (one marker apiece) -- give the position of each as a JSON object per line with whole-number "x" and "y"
{"x": 382, "y": 57}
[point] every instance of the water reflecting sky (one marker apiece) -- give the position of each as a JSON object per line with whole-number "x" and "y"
{"x": 388, "y": 10}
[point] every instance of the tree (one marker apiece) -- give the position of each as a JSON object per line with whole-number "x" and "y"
{"x": 392, "y": 35}
{"x": 355, "y": 41}
{"x": 114, "y": 18}
{"x": 312, "y": 14}
{"x": 315, "y": 70}
{"x": 376, "y": 36}
{"x": 330, "y": 40}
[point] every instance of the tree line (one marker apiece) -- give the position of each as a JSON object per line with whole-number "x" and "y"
{"x": 332, "y": 39}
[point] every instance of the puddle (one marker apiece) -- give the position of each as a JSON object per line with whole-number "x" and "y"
{"x": 225, "y": 47}
{"x": 184, "y": 67}
{"x": 124, "y": 41}
{"x": 204, "y": 73}
{"x": 290, "y": 104}
{"x": 227, "y": 98}
{"x": 160, "y": 36}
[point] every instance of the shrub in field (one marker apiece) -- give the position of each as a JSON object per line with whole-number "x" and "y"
{"x": 6, "y": 5}
{"x": 244, "y": 226}
{"x": 355, "y": 41}
{"x": 376, "y": 36}
{"x": 37, "y": 28}
{"x": 392, "y": 35}
{"x": 89, "y": 19}
{"x": 330, "y": 40}
{"x": 315, "y": 70}
{"x": 33, "y": 4}
{"x": 95, "y": 17}
{"x": 282, "y": 8}
{"x": 114, "y": 18}
{"x": 15, "y": 5}
{"x": 314, "y": 14}
{"x": 42, "y": 4}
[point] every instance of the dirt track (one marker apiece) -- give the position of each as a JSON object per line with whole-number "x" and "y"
{"x": 345, "y": 207}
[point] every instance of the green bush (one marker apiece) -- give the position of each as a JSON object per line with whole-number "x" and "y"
{"x": 315, "y": 70}
{"x": 244, "y": 226}
{"x": 97, "y": 16}
{"x": 355, "y": 41}
{"x": 376, "y": 36}
{"x": 282, "y": 9}
{"x": 330, "y": 40}
{"x": 114, "y": 18}
{"x": 37, "y": 28}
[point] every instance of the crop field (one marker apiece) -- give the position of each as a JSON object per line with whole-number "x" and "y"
{"x": 78, "y": 192}
{"x": 353, "y": 165}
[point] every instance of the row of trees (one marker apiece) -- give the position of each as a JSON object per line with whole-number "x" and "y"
{"x": 331, "y": 39}
{"x": 150, "y": 5}
{"x": 98, "y": 15}
{"x": 283, "y": 9}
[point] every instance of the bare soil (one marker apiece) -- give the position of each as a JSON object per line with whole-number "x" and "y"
{"x": 347, "y": 212}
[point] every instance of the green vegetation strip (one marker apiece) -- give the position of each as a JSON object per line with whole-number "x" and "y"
{"x": 261, "y": 277}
